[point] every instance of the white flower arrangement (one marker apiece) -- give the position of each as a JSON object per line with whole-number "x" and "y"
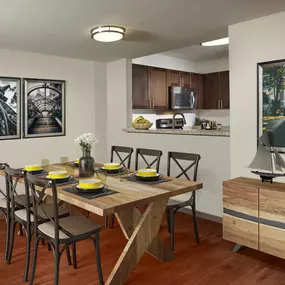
{"x": 86, "y": 141}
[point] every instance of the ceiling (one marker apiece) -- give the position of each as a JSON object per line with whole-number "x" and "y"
{"x": 199, "y": 53}
{"x": 62, "y": 27}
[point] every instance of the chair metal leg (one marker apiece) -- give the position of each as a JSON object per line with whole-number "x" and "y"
{"x": 168, "y": 221}
{"x": 28, "y": 253}
{"x": 98, "y": 259}
{"x": 172, "y": 215}
{"x": 74, "y": 255}
{"x": 112, "y": 221}
{"x": 11, "y": 244}
{"x": 87, "y": 214}
{"x": 8, "y": 230}
{"x": 43, "y": 241}
{"x": 195, "y": 224}
{"x": 106, "y": 221}
{"x": 36, "y": 244}
{"x": 49, "y": 247}
{"x": 68, "y": 256}
{"x": 56, "y": 266}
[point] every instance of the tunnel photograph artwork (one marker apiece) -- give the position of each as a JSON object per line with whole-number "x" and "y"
{"x": 10, "y": 108}
{"x": 44, "y": 108}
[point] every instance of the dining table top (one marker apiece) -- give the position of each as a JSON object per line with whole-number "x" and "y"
{"x": 130, "y": 193}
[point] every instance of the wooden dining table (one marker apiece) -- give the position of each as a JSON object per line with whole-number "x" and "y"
{"x": 140, "y": 229}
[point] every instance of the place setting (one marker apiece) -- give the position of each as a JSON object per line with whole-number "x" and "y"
{"x": 90, "y": 188}
{"x": 148, "y": 176}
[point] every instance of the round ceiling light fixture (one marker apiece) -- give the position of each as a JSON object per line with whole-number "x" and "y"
{"x": 219, "y": 42}
{"x": 107, "y": 34}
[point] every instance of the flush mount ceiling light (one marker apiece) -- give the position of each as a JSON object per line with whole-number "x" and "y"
{"x": 219, "y": 42}
{"x": 107, "y": 34}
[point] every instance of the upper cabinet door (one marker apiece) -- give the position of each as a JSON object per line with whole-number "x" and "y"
{"x": 158, "y": 88}
{"x": 197, "y": 83}
{"x": 224, "y": 86}
{"x": 174, "y": 78}
{"x": 140, "y": 87}
{"x": 185, "y": 79}
{"x": 211, "y": 98}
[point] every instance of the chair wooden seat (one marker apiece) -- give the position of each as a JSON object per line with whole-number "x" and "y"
{"x": 79, "y": 228}
{"x": 3, "y": 203}
{"x": 48, "y": 208}
{"x": 22, "y": 215}
{"x": 19, "y": 200}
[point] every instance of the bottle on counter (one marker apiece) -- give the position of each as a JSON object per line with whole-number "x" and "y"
{"x": 209, "y": 125}
{"x": 214, "y": 125}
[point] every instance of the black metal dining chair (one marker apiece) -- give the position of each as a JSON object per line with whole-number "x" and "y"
{"x": 173, "y": 206}
{"x": 149, "y": 157}
{"x": 60, "y": 233}
{"x": 21, "y": 213}
{"x": 124, "y": 155}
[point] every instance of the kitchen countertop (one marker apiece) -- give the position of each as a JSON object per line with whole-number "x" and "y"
{"x": 224, "y": 132}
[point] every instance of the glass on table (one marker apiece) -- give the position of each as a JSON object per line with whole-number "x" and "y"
{"x": 101, "y": 175}
{"x": 69, "y": 167}
{"x": 123, "y": 174}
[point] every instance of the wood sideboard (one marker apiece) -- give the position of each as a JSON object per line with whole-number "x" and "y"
{"x": 254, "y": 214}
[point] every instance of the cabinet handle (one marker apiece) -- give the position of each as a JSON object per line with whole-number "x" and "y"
{"x": 149, "y": 103}
{"x": 152, "y": 104}
{"x": 221, "y": 104}
{"x": 218, "y": 104}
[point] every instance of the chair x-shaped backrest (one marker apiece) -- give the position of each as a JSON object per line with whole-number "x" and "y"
{"x": 37, "y": 187}
{"x": 14, "y": 200}
{"x": 119, "y": 150}
{"x": 2, "y": 168}
{"x": 142, "y": 153}
{"x": 191, "y": 157}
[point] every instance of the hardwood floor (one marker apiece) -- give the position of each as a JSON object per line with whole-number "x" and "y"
{"x": 210, "y": 262}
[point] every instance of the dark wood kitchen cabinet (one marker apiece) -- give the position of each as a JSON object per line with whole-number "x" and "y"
{"x": 216, "y": 93}
{"x": 158, "y": 88}
{"x": 224, "y": 84}
{"x": 140, "y": 87}
{"x": 178, "y": 78}
{"x": 197, "y": 83}
{"x": 211, "y": 91}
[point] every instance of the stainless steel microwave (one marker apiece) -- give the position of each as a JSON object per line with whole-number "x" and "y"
{"x": 182, "y": 98}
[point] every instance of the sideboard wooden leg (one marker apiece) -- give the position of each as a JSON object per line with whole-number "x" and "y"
{"x": 238, "y": 247}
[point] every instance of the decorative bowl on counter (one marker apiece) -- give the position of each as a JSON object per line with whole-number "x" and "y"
{"x": 142, "y": 126}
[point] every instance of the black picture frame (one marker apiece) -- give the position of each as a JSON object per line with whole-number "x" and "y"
{"x": 39, "y": 108}
{"x": 260, "y": 67}
{"x": 10, "y": 108}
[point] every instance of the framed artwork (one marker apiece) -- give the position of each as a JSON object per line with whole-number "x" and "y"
{"x": 10, "y": 108}
{"x": 271, "y": 102}
{"x": 44, "y": 108}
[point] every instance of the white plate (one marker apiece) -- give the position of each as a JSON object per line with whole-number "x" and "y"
{"x": 157, "y": 175}
{"x": 86, "y": 189}
{"x": 59, "y": 178}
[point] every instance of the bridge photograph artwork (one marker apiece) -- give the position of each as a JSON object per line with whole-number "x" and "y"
{"x": 44, "y": 108}
{"x": 10, "y": 108}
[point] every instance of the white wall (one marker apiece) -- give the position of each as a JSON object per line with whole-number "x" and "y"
{"x": 250, "y": 42}
{"x": 163, "y": 61}
{"x": 214, "y": 65}
{"x": 80, "y": 104}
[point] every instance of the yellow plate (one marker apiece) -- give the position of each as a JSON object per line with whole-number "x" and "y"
{"x": 112, "y": 166}
{"x": 147, "y": 172}
{"x": 57, "y": 174}
{"x": 90, "y": 184}
{"x": 77, "y": 160}
{"x": 33, "y": 167}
